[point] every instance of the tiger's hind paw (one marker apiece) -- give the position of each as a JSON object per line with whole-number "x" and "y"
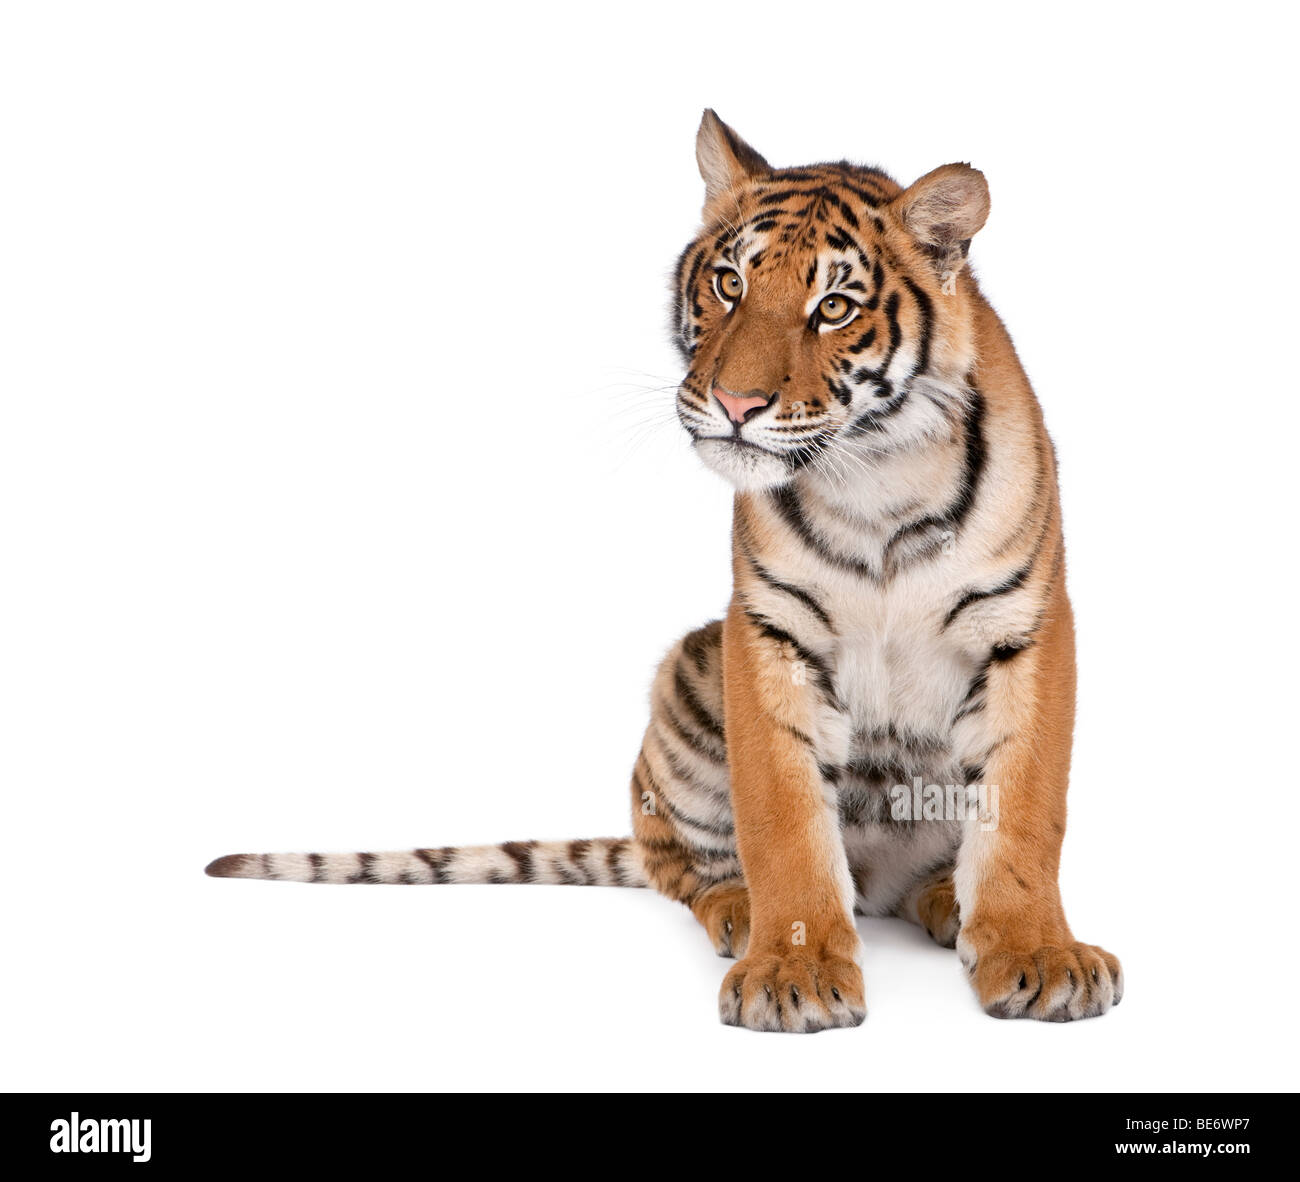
{"x": 724, "y": 912}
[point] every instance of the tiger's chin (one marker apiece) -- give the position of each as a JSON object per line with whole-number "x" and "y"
{"x": 746, "y": 467}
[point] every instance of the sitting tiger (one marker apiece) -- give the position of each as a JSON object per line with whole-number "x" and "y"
{"x": 882, "y": 722}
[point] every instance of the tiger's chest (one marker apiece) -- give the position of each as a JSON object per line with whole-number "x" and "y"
{"x": 901, "y": 683}
{"x": 901, "y": 679}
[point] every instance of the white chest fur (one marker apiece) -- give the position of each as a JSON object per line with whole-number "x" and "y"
{"x": 897, "y": 669}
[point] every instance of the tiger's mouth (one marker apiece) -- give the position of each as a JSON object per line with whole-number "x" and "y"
{"x": 749, "y": 467}
{"x": 736, "y": 441}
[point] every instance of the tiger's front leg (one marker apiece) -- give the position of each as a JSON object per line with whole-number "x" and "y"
{"x": 801, "y": 970}
{"x": 1014, "y": 941}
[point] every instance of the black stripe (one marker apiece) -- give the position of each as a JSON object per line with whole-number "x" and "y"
{"x": 864, "y": 342}
{"x": 683, "y": 773}
{"x": 975, "y": 457}
{"x": 786, "y": 502}
{"x": 778, "y": 195}
{"x": 879, "y": 374}
{"x": 839, "y": 390}
{"x": 698, "y": 645}
{"x": 973, "y": 466}
{"x": 522, "y": 854}
{"x": 711, "y": 878}
{"x": 690, "y": 738}
{"x": 797, "y": 593}
{"x": 1015, "y": 580}
{"x": 613, "y": 863}
{"x": 869, "y": 199}
{"x": 695, "y": 707}
{"x": 809, "y": 658}
{"x": 685, "y": 297}
{"x": 895, "y": 331}
{"x": 846, "y": 212}
{"x": 926, "y": 310}
{"x": 739, "y": 244}
{"x": 577, "y": 851}
{"x": 662, "y": 800}
{"x": 882, "y": 770}
{"x": 1007, "y": 585}
{"x": 806, "y": 740}
{"x": 838, "y": 239}
{"x": 434, "y": 859}
{"x": 873, "y": 418}
{"x": 977, "y": 687}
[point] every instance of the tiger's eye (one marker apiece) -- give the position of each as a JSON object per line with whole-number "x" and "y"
{"x": 833, "y": 309}
{"x": 730, "y": 284}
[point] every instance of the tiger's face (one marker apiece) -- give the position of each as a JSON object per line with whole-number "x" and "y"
{"x": 821, "y": 312}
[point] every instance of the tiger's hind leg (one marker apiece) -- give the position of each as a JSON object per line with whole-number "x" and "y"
{"x": 681, "y": 793}
{"x": 932, "y": 903}
{"x": 723, "y": 909}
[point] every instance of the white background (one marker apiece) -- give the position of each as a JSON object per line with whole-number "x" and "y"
{"x": 340, "y": 510}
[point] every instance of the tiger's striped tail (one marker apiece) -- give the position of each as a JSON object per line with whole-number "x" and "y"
{"x": 597, "y": 861}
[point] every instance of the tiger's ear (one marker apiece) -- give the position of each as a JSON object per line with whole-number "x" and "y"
{"x": 943, "y": 211}
{"x": 725, "y": 160}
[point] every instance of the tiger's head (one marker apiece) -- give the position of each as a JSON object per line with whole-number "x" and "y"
{"x": 825, "y": 313}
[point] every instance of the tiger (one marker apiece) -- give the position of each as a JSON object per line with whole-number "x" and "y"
{"x": 881, "y": 723}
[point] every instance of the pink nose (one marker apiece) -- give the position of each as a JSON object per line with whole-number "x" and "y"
{"x": 738, "y": 406}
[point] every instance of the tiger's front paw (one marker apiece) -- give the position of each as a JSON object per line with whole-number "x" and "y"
{"x": 1054, "y": 983}
{"x": 798, "y": 991}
